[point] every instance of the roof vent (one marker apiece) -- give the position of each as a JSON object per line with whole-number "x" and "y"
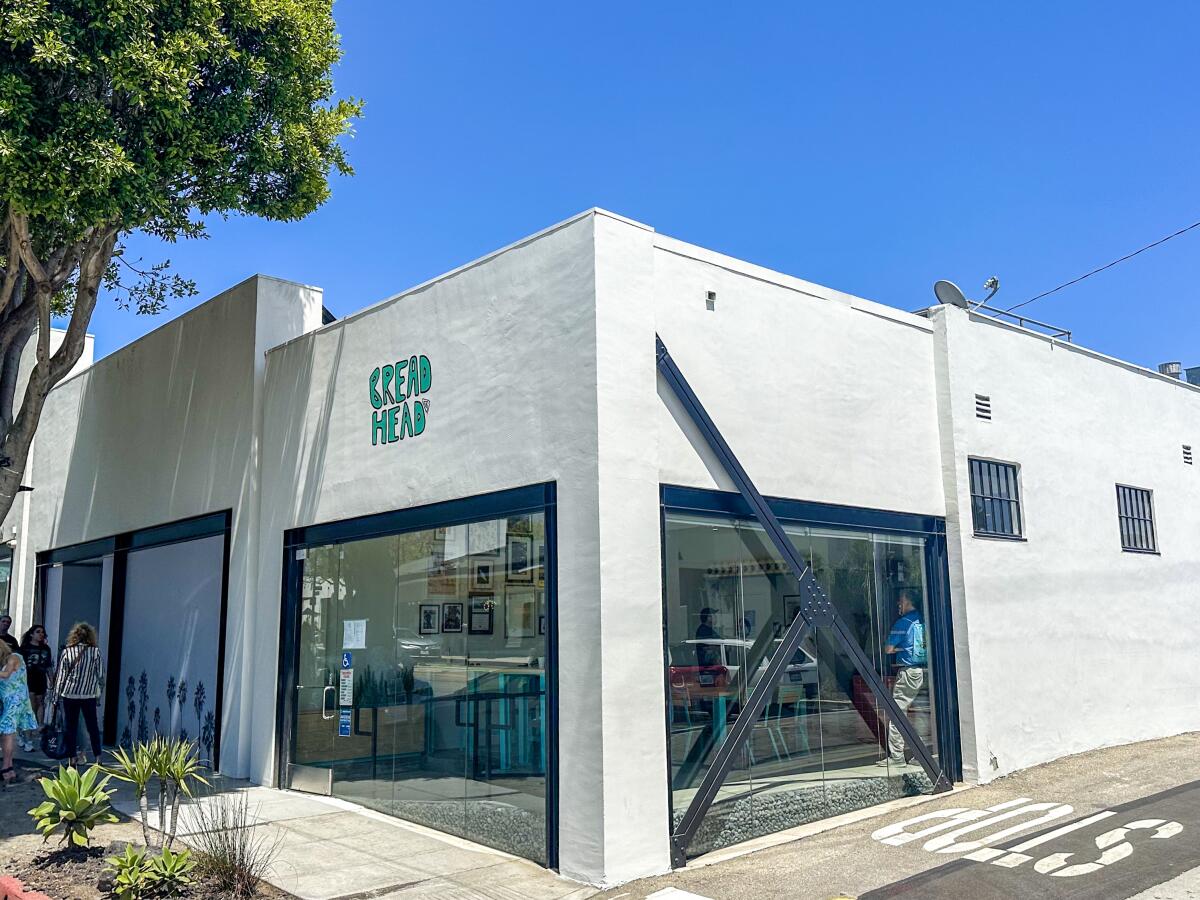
{"x": 983, "y": 407}
{"x": 1171, "y": 369}
{"x": 1187, "y": 454}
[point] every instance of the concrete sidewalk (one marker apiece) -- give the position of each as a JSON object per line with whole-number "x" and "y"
{"x": 854, "y": 861}
{"x": 330, "y": 849}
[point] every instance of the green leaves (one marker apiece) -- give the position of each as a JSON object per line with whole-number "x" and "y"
{"x": 74, "y": 805}
{"x": 141, "y": 113}
{"x": 131, "y": 874}
{"x": 135, "y": 875}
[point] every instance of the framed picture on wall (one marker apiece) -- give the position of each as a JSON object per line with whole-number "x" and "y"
{"x": 481, "y": 615}
{"x": 791, "y": 607}
{"x": 542, "y": 624}
{"x": 483, "y": 573}
{"x": 520, "y": 611}
{"x": 520, "y": 559}
{"x": 452, "y": 617}
{"x": 485, "y": 537}
{"x": 443, "y": 573}
{"x": 520, "y": 525}
{"x": 429, "y": 614}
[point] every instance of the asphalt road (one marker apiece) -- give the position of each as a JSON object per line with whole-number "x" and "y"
{"x": 1117, "y": 823}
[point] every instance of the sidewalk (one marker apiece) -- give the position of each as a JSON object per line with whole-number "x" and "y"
{"x": 331, "y": 849}
{"x": 1151, "y": 782}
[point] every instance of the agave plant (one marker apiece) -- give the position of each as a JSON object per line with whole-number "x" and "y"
{"x": 171, "y": 872}
{"x": 131, "y": 876}
{"x": 74, "y": 805}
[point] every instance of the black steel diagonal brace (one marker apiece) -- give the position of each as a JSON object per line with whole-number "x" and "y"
{"x": 817, "y": 612}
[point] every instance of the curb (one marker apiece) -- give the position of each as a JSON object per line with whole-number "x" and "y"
{"x": 12, "y": 889}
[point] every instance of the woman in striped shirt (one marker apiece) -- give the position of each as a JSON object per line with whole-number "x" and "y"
{"x": 77, "y": 685}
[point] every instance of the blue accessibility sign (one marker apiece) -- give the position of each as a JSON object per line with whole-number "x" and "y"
{"x": 344, "y": 723}
{"x": 347, "y": 660}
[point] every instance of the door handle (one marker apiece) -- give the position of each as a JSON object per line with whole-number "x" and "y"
{"x": 325, "y": 693}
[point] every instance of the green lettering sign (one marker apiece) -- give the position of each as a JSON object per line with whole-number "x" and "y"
{"x": 398, "y": 408}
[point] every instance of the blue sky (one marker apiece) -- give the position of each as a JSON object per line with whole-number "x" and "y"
{"x": 870, "y": 147}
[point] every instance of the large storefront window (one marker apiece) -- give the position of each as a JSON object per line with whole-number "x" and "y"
{"x": 421, "y": 677}
{"x": 820, "y": 747}
{"x": 156, "y": 598}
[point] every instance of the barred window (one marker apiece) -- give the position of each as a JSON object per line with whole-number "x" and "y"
{"x": 1135, "y": 512}
{"x": 995, "y": 498}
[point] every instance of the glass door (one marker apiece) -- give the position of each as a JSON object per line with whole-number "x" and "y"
{"x": 316, "y": 708}
{"x": 422, "y": 685}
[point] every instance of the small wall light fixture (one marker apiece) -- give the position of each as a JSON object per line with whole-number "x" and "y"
{"x": 710, "y": 300}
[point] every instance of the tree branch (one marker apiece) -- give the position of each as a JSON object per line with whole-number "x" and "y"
{"x": 12, "y": 266}
{"x": 91, "y": 269}
{"x": 20, "y": 224}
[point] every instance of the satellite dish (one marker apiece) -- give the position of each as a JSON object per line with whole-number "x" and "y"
{"x": 947, "y": 292}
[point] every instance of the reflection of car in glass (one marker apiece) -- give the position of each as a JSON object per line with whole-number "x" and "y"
{"x": 713, "y": 663}
{"x": 706, "y": 662}
{"x": 802, "y": 669}
{"x": 411, "y": 646}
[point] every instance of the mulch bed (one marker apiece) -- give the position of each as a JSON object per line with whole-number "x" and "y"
{"x": 70, "y": 873}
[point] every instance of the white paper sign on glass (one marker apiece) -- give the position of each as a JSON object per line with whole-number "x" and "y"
{"x": 354, "y": 634}
{"x": 346, "y": 688}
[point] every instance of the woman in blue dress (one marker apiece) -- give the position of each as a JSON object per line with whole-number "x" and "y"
{"x": 16, "y": 713}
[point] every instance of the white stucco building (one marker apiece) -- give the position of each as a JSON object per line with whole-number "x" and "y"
{"x": 479, "y": 499}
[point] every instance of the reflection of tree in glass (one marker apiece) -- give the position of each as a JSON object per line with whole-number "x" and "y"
{"x": 208, "y": 734}
{"x": 130, "y": 692}
{"x": 143, "y": 726}
{"x": 199, "y": 698}
{"x": 171, "y": 688}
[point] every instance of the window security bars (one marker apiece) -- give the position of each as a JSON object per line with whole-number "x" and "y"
{"x": 816, "y": 611}
{"x": 1135, "y": 512}
{"x": 995, "y": 499}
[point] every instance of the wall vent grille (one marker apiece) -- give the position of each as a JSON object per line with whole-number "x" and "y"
{"x": 1187, "y": 454}
{"x": 983, "y": 407}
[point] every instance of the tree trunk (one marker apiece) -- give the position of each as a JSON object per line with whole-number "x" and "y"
{"x": 144, "y": 811}
{"x": 174, "y": 815}
{"x": 90, "y": 257}
{"x": 163, "y": 811}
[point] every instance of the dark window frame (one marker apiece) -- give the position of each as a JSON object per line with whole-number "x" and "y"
{"x": 542, "y": 497}
{"x": 726, "y": 504}
{"x": 994, "y": 486}
{"x": 1135, "y": 519}
{"x": 119, "y": 546}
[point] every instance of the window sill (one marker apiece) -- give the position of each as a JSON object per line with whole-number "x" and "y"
{"x": 1007, "y": 538}
{"x": 1141, "y": 552}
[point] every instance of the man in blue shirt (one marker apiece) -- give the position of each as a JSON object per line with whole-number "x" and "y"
{"x": 906, "y": 645}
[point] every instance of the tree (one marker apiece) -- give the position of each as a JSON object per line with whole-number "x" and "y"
{"x": 119, "y": 116}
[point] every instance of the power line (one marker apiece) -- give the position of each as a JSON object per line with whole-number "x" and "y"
{"x": 1108, "y": 266}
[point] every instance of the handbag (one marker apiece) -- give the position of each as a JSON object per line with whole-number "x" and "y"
{"x": 54, "y": 730}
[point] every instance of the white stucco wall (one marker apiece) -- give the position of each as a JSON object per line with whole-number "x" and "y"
{"x": 543, "y": 370}
{"x": 162, "y": 430}
{"x": 823, "y": 396}
{"x": 512, "y": 341}
{"x": 1066, "y": 643}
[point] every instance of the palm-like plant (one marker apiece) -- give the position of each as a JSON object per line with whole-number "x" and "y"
{"x": 180, "y": 768}
{"x": 135, "y": 767}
